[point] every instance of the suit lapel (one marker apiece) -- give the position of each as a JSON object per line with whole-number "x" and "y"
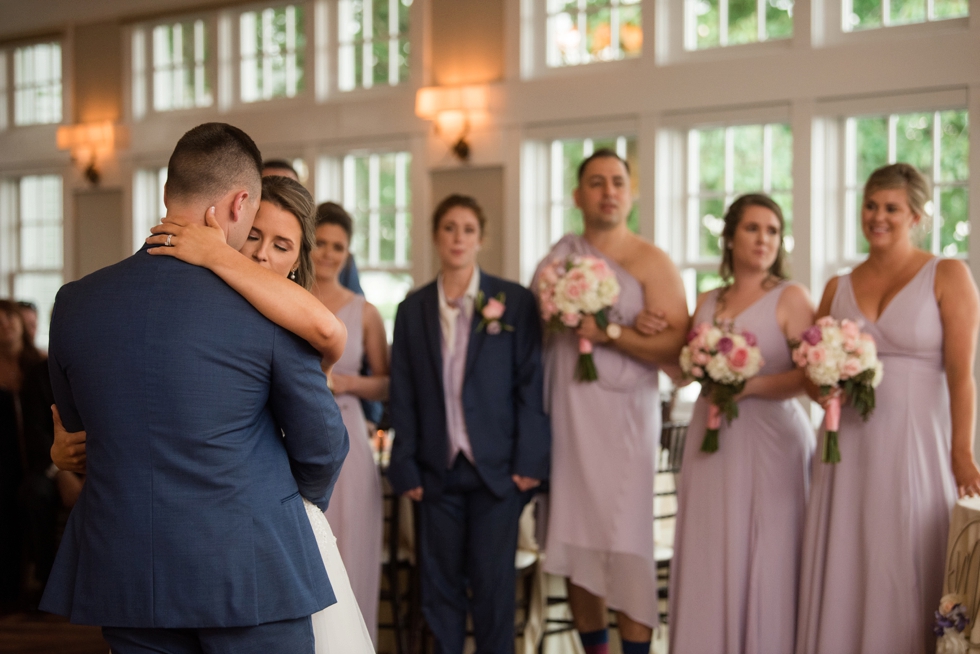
{"x": 432, "y": 328}
{"x": 477, "y": 336}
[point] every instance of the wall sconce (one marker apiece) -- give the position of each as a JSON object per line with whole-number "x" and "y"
{"x": 87, "y": 142}
{"x": 451, "y": 108}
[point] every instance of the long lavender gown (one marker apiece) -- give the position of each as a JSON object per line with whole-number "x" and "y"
{"x": 356, "y": 512}
{"x": 604, "y": 435}
{"x": 876, "y": 527}
{"x": 734, "y": 576}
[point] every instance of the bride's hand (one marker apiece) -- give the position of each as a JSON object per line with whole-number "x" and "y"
{"x": 196, "y": 244}
{"x": 68, "y": 448}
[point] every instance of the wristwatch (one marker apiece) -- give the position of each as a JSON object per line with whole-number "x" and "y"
{"x": 613, "y": 331}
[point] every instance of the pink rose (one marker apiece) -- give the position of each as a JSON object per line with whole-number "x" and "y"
{"x": 817, "y": 354}
{"x": 800, "y": 355}
{"x": 700, "y": 358}
{"x": 850, "y": 368}
{"x": 548, "y": 308}
{"x": 494, "y": 309}
{"x": 750, "y": 339}
{"x": 849, "y": 329}
{"x": 739, "y": 357}
{"x": 570, "y": 319}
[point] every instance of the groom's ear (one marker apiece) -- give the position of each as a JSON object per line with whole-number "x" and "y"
{"x": 240, "y": 205}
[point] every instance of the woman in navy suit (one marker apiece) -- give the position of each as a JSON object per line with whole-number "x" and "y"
{"x": 472, "y": 440}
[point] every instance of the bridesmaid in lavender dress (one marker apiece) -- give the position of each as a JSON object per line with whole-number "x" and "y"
{"x": 876, "y": 526}
{"x": 734, "y": 576}
{"x": 356, "y": 512}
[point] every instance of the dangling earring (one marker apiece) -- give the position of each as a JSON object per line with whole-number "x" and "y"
{"x": 292, "y": 275}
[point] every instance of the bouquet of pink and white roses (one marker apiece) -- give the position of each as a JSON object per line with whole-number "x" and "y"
{"x": 572, "y": 287}
{"x": 838, "y": 355}
{"x": 722, "y": 360}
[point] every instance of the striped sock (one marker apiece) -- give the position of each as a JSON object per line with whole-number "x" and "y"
{"x": 632, "y": 647}
{"x": 595, "y": 642}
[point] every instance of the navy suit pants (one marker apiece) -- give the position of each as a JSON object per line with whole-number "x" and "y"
{"x": 468, "y": 539}
{"x": 284, "y": 637}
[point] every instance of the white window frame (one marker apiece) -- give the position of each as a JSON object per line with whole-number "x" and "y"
{"x": 148, "y": 207}
{"x": 346, "y": 44}
{"x": 845, "y": 6}
{"x": 8, "y": 84}
{"x": 542, "y": 210}
{"x": 11, "y": 256}
{"x": 143, "y": 68}
{"x": 690, "y": 26}
{"x": 831, "y": 175}
{"x": 335, "y": 181}
{"x": 307, "y": 54}
{"x": 680, "y": 237}
{"x": 535, "y": 34}
{"x": 829, "y": 29}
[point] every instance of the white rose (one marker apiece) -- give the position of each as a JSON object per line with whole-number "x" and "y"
{"x": 719, "y": 371}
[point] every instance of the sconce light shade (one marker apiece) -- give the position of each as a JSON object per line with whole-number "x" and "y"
{"x": 94, "y": 137}
{"x": 433, "y": 100}
{"x": 87, "y": 142}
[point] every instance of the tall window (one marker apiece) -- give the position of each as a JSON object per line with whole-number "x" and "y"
{"x": 272, "y": 43}
{"x": 377, "y": 193}
{"x": 565, "y": 157}
{"x": 586, "y": 31}
{"x": 937, "y": 143}
{"x": 148, "y": 207}
{"x": 181, "y": 66}
{"x": 373, "y": 37}
{"x": 723, "y": 163}
{"x": 32, "y": 259}
{"x": 719, "y": 23}
{"x": 37, "y": 84}
{"x": 870, "y": 14}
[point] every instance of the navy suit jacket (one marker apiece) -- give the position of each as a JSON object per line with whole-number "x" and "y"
{"x": 191, "y": 515}
{"x": 502, "y": 394}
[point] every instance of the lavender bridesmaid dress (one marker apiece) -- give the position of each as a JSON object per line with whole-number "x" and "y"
{"x": 876, "y": 527}
{"x": 734, "y": 576}
{"x": 604, "y": 437}
{"x": 356, "y": 512}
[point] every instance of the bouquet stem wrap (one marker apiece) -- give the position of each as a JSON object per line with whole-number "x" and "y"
{"x": 585, "y": 370}
{"x": 710, "y": 442}
{"x": 831, "y": 451}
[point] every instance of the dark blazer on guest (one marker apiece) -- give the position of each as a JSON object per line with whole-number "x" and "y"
{"x": 191, "y": 515}
{"x": 502, "y": 394}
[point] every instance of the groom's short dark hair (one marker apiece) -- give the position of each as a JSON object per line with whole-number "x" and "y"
{"x": 211, "y": 159}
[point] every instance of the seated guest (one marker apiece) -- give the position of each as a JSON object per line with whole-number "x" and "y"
{"x": 28, "y": 311}
{"x": 472, "y": 439}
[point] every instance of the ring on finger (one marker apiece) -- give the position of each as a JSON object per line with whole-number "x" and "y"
{"x": 169, "y": 239}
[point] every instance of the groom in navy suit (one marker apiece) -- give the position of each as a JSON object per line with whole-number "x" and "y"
{"x": 190, "y": 534}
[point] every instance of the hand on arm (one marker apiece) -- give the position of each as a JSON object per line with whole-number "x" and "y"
{"x": 277, "y": 298}
{"x": 664, "y": 292}
{"x": 373, "y": 386}
{"x": 68, "y": 448}
{"x": 959, "y": 310}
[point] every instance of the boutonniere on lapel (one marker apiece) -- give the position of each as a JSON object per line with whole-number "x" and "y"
{"x": 491, "y": 311}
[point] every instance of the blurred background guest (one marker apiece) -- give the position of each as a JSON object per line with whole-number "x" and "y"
{"x": 355, "y": 513}
{"x": 17, "y": 356}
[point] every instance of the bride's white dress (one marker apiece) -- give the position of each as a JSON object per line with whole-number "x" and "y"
{"x": 339, "y": 628}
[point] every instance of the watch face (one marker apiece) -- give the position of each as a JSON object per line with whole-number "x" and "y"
{"x": 614, "y": 331}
